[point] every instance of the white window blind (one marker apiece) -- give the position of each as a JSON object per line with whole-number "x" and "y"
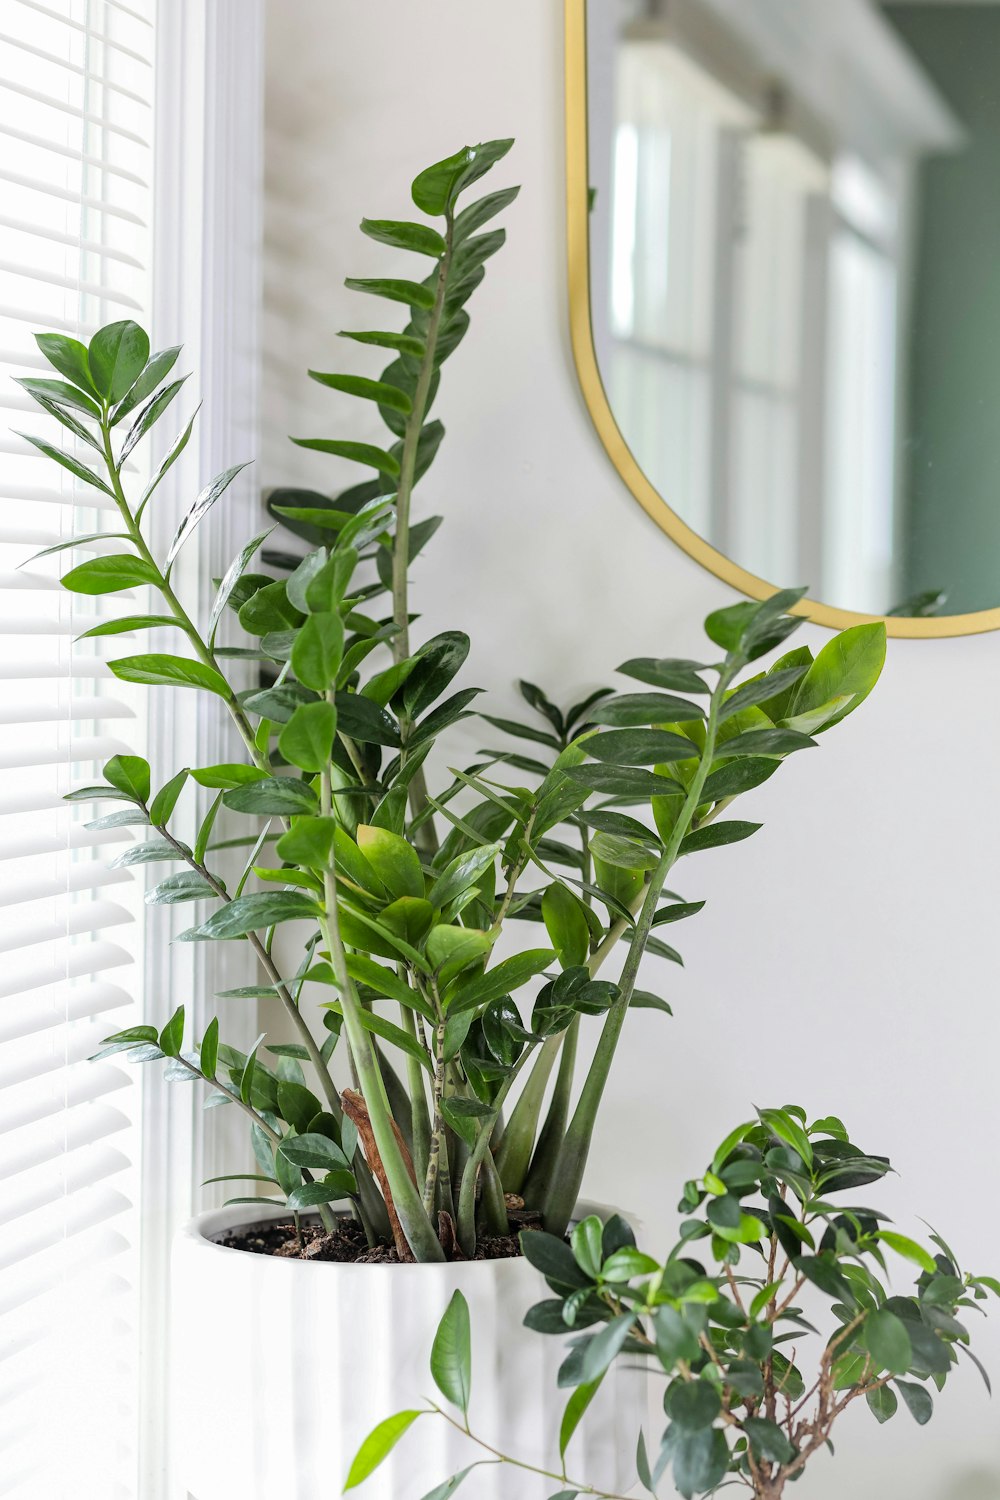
{"x": 75, "y": 157}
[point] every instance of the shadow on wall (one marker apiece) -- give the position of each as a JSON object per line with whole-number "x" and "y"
{"x": 976, "y": 1484}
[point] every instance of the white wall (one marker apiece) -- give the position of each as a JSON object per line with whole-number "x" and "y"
{"x": 846, "y": 959}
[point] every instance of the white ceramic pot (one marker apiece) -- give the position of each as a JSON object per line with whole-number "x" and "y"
{"x": 282, "y": 1367}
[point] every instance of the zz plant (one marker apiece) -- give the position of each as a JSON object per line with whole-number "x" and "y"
{"x": 404, "y": 894}
{"x": 753, "y": 1387}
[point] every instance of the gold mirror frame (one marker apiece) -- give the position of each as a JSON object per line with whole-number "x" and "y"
{"x": 585, "y": 356}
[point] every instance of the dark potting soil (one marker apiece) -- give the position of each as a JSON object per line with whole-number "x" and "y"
{"x": 347, "y": 1244}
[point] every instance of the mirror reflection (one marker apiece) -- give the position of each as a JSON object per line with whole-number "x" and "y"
{"x": 795, "y": 283}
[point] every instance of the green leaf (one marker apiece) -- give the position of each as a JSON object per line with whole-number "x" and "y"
{"x": 368, "y": 390}
{"x": 451, "y": 1354}
{"x": 153, "y": 851}
{"x": 129, "y": 774}
{"x": 783, "y": 1124}
{"x": 403, "y": 235}
{"x": 586, "y": 1242}
{"x": 226, "y": 775}
{"x": 360, "y": 719}
{"x": 767, "y": 742}
{"x": 888, "y": 1342}
{"x": 116, "y": 358}
{"x": 637, "y": 709}
{"x": 158, "y": 366}
{"x": 503, "y": 979}
{"x": 882, "y": 1403}
{"x": 567, "y": 926}
{"x": 378, "y": 1445}
{"x": 109, "y": 575}
{"x": 56, "y": 393}
{"x": 576, "y": 1406}
{"x": 186, "y": 886}
{"x": 434, "y": 190}
{"x": 126, "y": 625}
{"x": 909, "y": 1249}
{"x": 169, "y": 671}
{"x": 918, "y": 1401}
{"x": 412, "y": 293}
{"x": 172, "y": 1035}
{"x": 309, "y": 842}
{"x": 165, "y": 800}
{"x": 208, "y": 1052}
{"x": 714, "y": 835}
{"x": 318, "y": 651}
{"x": 639, "y": 747}
{"x": 147, "y": 419}
{"x": 739, "y": 776}
{"x": 625, "y": 781}
{"x": 253, "y": 913}
{"x": 67, "y": 461}
{"x": 69, "y": 357}
{"x": 202, "y": 506}
{"x": 359, "y": 453}
{"x": 462, "y": 873}
{"x": 334, "y": 1186}
{"x": 307, "y": 739}
{"x": 403, "y": 343}
{"x": 768, "y": 1441}
{"x": 679, "y": 676}
{"x": 451, "y": 949}
{"x": 233, "y": 575}
{"x": 479, "y": 213}
{"x": 173, "y": 453}
{"x": 438, "y": 661}
{"x": 849, "y": 665}
{"x": 395, "y": 862}
{"x": 603, "y": 1348}
{"x": 692, "y": 1404}
{"x": 316, "y": 1152}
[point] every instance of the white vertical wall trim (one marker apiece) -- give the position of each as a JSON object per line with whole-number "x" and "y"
{"x": 208, "y": 216}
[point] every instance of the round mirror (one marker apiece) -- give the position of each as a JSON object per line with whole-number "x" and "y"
{"x": 785, "y": 290}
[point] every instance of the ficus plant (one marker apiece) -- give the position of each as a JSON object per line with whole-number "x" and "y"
{"x": 772, "y": 1314}
{"x": 463, "y": 1067}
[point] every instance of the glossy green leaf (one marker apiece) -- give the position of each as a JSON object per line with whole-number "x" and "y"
{"x": 412, "y": 293}
{"x": 275, "y": 795}
{"x": 56, "y": 393}
{"x": 368, "y": 390}
{"x": 255, "y": 912}
{"x": 715, "y": 835}
{"x": 157, "y": 368}
{"x": 67, "y": 461}
{"x": 208, "y": 1052}
{"x": 233, "y": 575}
{"x": 403, "y": 343}
{"x": 888, "y": 1342}
{"x": 110, "y": 575}
{"x": 148, "y": 418}
{"x": 307, "y": 739}
{"x": 169, "y": 671}
{"x": 395, "y": 862}
{"x": 333, "y": 1187}
{"x": 129, "y": 774}
{"x": 309, "y": 842}
{"x": 768, "y": 1441}
{"x": 201, "y": 507}
{"x": 918, "y": 1401}
{"x": 566, "y": 924}
{"x": 847, "y": 667}
{"x": 318, "y": 650}
{"x": 404, "y": 235}
{"x": 359, "y": 453}
{"x": 172, "y": 1036}
{"x": 462, "y": 873}
{"x": 165, "y": 800}
{"x": 69, "y": 357}
{"x": 909, "y": 1249}
{"x": 451, "y": 1354}
{"x": 116, "y": 358}
{"x": 882, "y": 1403}
{"x": 378, "y": 1445}
{"x": 188, "y": 885}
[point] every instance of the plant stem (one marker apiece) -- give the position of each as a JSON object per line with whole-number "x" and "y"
{"x": 467, "y": 1191}
{"x": 204, "y": 653}
{"x": 416, "y": 1226}
{"x": 517, "y": 1463}
{"x": 546, "y": 1153}
{"x": 437, "y": 1124}
{"x": 418, "y": 1100}
{"x": 568, "y": 1176}
{"x": 514, "y": 1154}
{"x": 427, "y": 840}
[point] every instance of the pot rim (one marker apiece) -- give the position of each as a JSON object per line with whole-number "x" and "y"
{"x": 200, "y": 1233}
